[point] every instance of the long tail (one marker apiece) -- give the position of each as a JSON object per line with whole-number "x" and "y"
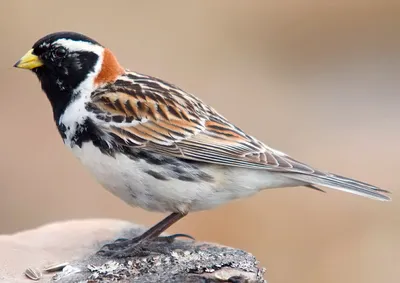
{"x": 341, "y": 183}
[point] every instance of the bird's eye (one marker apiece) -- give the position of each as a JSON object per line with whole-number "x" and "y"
{"x": 60, "y": 52}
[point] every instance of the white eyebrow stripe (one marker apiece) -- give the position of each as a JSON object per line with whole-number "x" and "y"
{"x": 74, "y": 45}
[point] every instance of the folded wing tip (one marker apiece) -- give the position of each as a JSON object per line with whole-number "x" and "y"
{"x": 385, "y": 198}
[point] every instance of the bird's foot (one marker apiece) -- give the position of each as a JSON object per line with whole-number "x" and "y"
{"x": 139, "y": 249}
{"x": 138, "y": 246}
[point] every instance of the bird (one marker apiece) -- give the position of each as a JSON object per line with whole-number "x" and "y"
{"x": 154, "y": 145}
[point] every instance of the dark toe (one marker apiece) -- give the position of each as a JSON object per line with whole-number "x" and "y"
{"x": 171, "y": 238}
{"x": 117, "y": 245}
{"x": 140, "y": 249}
{"x": 120, "y": 240}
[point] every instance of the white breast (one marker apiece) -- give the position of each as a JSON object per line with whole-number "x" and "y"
{"x": 128, "y": 179}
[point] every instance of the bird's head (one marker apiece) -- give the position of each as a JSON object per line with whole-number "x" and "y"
{"x": 66, "y": 62}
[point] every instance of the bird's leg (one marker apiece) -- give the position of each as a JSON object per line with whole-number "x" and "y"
{"x": 142, "y": 245}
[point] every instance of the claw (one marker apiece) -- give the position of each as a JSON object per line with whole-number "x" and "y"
{"x": 123, "y": 248}
{"x": 117, "y": 244}
{"x": 171, "y": 238}
{"x": 119, "y": 240}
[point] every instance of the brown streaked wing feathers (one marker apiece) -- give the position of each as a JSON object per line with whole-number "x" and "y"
{"x": 164, "y": 119}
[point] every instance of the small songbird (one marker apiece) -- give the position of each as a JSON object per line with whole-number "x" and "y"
{"x": 155, "y": 145}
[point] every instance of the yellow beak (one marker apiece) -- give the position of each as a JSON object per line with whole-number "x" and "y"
{"x": 29, "y": 61}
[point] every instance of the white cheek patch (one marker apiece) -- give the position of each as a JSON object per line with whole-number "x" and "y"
{"x": 74, "y": 46}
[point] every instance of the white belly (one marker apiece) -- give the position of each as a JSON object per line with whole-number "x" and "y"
{"x": 129, "y": 179}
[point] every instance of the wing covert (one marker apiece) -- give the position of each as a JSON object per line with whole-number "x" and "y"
{"x": 146, "y": 112}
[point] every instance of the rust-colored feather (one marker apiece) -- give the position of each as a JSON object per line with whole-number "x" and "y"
{"x": 110, "y": 69}
{"x": 163, "y": 118}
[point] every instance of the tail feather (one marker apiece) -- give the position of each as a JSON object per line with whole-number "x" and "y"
{"x": 343, "y": 184}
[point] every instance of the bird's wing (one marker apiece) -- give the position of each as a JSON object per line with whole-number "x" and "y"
{"x": 142, "y": 111}
{"x": 145, "y": 112}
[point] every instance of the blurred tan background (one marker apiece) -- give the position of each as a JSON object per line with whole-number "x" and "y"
{"x": 317, "y": 80}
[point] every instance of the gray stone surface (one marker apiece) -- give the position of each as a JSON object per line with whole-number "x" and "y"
{"x": 188, "y": 262}
{"x": 76, "y": 242}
